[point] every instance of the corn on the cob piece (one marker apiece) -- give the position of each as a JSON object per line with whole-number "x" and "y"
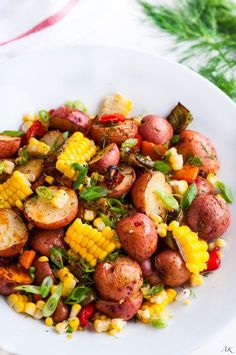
{"x": 89, "y": 243}
{"x": 36, "y": 148}
{"x": 78, "y": 149}
{"x": 16, "y": 188}
{"x": 192, "y": 249}
{"x": 68, "y": 281}
{"x": 116, "y": 104}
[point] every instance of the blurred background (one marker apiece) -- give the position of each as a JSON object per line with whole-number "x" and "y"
{"x": 201, "y": 34}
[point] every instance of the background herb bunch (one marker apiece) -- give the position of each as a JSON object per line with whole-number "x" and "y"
{"x": 208, "y": 29}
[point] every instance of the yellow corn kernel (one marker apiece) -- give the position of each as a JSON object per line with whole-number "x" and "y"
{"x": 61, "y": 328}
{"x": 31, "y": 116}
{"x": 196, "y": 280}
{"x": 78, "y": 149}
{"x": 74, "y": 323}
{"x": 171, "y": 294}
{"x": 211, "y": 246}
{"x": 99, "y": 224}
{"x": 75, "y": 309}
{"x": 40, "y": 304}
{"x": 19, "y": 205}
{"x": 89, "y": 215}
{"x": 68, "y": 280}
{"x": 187, "y": 302}
{"x": 19, "y": 306}
{"x": 116, "y": 104}
{"x": 179, "y": 186}
{"x": 175, "y": 159}
{"x": 212, "y": 178}
{"x": 162, "y": 230}
{"x": 48, "y": 321}
{"x": 101, "y": 325}
{"x": 60, "y": 199}
{"x": 38, "y": 314}
{"x": 36, "y": 148}
{"x": 220, "y": 243}
{"x": 49, "y": 179}
{"x": 118, "y": 324}
{"x": 43, "y": 259}
{"x": 8, "y": 166}
{"x": 173, "y": 225}
{"x": 53, "y": 288}
{"x": 30, "y": 308}
{"x": 12, "y": 299}
{"x": 113, "y": 332}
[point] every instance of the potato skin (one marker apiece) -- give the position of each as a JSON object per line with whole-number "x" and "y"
{"x": 126, "y": 184}
{"x": 114, "y": 134}
{"x": 209, "y": 216}
{"x": 12, "y": 276}
{"x": 42, "y": 270}
{"x": 119, "y": 279}
{"x": 124, "y": 310}
{"x": 9, "y": 146}
{"x": 195, "y": 144}
{"x": 138, "y": 236}
{"x": 61, "y": 313}
{"x": 171, "y": 268}
{"x": 203, "y": 187}
{"x": 146, "y": 267}
{"x": 110, "y": 155}
{"x": 67, "y": 118}
{"x": 42, "y": 240}
{"x": 154, "y": 279}
{"x": 155, "y": 129}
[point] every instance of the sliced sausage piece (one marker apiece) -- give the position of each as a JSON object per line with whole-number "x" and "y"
{"x": 9, "y": 146}
{"x": 12, "y": 276}
{"x": 107, "y": 157}
{"x": 43, "y": 240}
{"x": 13, "y": 233}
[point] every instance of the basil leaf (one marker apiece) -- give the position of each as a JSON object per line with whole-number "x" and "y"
{"x": 78, "y": 295}
{"x": 158, "y": 322}
{"x": 93, "y": 193}
{"x": 129, "y": 143}
{"x": 52, "y": 302}
{"x": 192, "y": 160}
{"x": 29, "y": 288}
{"x": 83, "y": 170}
{"x": 155, "y": 289}
{"x": 169, "y": 201}
{"x": 179, "y": 118}
{"x": 162, "y": 166}
{"x": 44, "y": 193}
{"x": 13, "y": 133}
{"x": 225, "y": 191}
{"x": 188, "y": 197}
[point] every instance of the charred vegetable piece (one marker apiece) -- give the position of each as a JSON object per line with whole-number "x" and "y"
{"x": 179, "y": 118}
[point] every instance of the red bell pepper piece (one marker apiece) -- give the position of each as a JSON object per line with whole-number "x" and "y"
{"x": 139, "y": 142}
{"x": 112, "y": 118}
{"x": 214, "y": 260}
{"x": 50, "y": 112}
{"x": 85, "y": 314}
{"x": 36, "y": 130}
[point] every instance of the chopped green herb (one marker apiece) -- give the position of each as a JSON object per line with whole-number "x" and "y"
{"x": 225, "y": 191}
{"x": 209, "y": 155}
{"x": 65, "y": 134}
{"x": 162, "y": 166}
{"x": 113, "y": 203}
{"x": 86, "y": 267}
{"x": 44, "y": 116}
{"x": 155, "y": 289}
{"x": 79, "y": 105}
{"x": 24, "y": 156}
{"x": 179, "y": 118}
{"x": 83, "y": 170}
{"x": 93, "y": 193}
{"x": 52, "y": 302}
{"x": 44, "y": 193}
{"x": 113, "y": 256}
{"x": 175, "y": 139}
{"x": 192, "y": 160}
{"x": 105, "y": 219}
{"x": 78, "y": 295}
{"x": 69, "y": 330}
{"x": 169, "y": 201}
{"x": 188, "y": 197}
{"x": 158, "y": 323}
{"x": 129, "y": 143}
{"x": 13, "y": 133}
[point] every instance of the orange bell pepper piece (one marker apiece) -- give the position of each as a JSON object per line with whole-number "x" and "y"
{"x": 188, "y": 173}
{"x": 27, "y": 258}
{"x": 154, "y": 151}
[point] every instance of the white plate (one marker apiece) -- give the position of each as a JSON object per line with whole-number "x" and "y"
{"x": 155, "y": 85}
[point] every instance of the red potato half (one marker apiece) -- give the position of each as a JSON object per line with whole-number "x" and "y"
{"x": 119, "y": 279}
{"x": 110, "y": 155}
{"x": 138, "y": 236}
{"x": 67, "y": 118}
{"x": 54, "y": 139}
{"x": 209, "y": 216}
{"x": 203, "y": 187}
{"x": 114, "y": 134}
{"x": 8, "y": 146}
{"x": 12, "y": 276}
{"x": 61, "y": 313}
{"x": 42, "y": 270}
{"x": 155, "y": 129}
{"x": 42, "y": 240}
{"x": 143, "y": 193}
{"x": 43, "y": 215}
{"x": 13, "y": 233}
{"x": 195, "y": 144}
{"x": 124, "y": 310}
{"x": 33, "y": 167}
{"x": 126, "y": 184}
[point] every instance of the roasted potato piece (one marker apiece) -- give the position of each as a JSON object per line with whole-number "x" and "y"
{"x": 43, "y": 215}
{"x": 119, "y": 279}
{"x": 203, "y": 187}
{"x": 33, "y": 167}
{"x": 209, "y": 216}
{"x": 143, "y": 193}
{"x": 154, "y": 279}
{"x": 67, "y": 118}
{"x": 61, "y": 313}
{"x": 8, "y": 146}
{"x": 13, "y": 233}
{"x": 194, "y": 144}
{"x": 12, "y": 276}
{"x": 171, "y": 268}
{"x": 114, "y": 134}
{"x": 54, "y": 139}
{"x": 124, "y": 310}
{"x": 42, "y": 270}
{"x": 138, "y": 236}
{"x": 110, "y": 155}
{"x": 155, "y": 129}
{"x": 146, "y": 267}
{"x": 125, "y": 185}
{"x": 42, "y": 240}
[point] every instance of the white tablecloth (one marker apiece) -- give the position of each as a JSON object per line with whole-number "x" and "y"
{"x": 113, "y": 22}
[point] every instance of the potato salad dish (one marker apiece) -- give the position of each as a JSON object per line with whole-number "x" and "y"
{"x": 107, "y": 218}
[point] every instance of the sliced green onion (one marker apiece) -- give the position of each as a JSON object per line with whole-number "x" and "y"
{"x": 83, "y": 170}
{"x": 105, "y": 219}
{"x": 52, "y": 302}
{"x": 56, "y": 256}
{"x": 65, "y": 134}
{"x": 44, "y": 193}
{"x": 155, "y": 289}
{"x": 24, "y": 156}
{"x": 29, "y": 289}
{"x": 86, "y": 267}
{"x": 175, "y": 139}
{"x": 44, "y": 116}
{"x": 129, "y": 143}
{"x": 188, "y": 197}
{"x": 194, "y": 160}
{"x": 69, "y": 103}
{"x": 46, "y": 286}
{"x": 113, "y": 203}
{"x": 1, "y": 166}
{"x": 93, "y": 193}
{"x": 79, "y": 105}
{"x": 78, "y": 295}
{"x": 162, "y": 166}
{"x": 13, "y": 133}
{"x": 225, "y": 191}
{"x": 169, "y": 201}
{"x": 158, "y": 322}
